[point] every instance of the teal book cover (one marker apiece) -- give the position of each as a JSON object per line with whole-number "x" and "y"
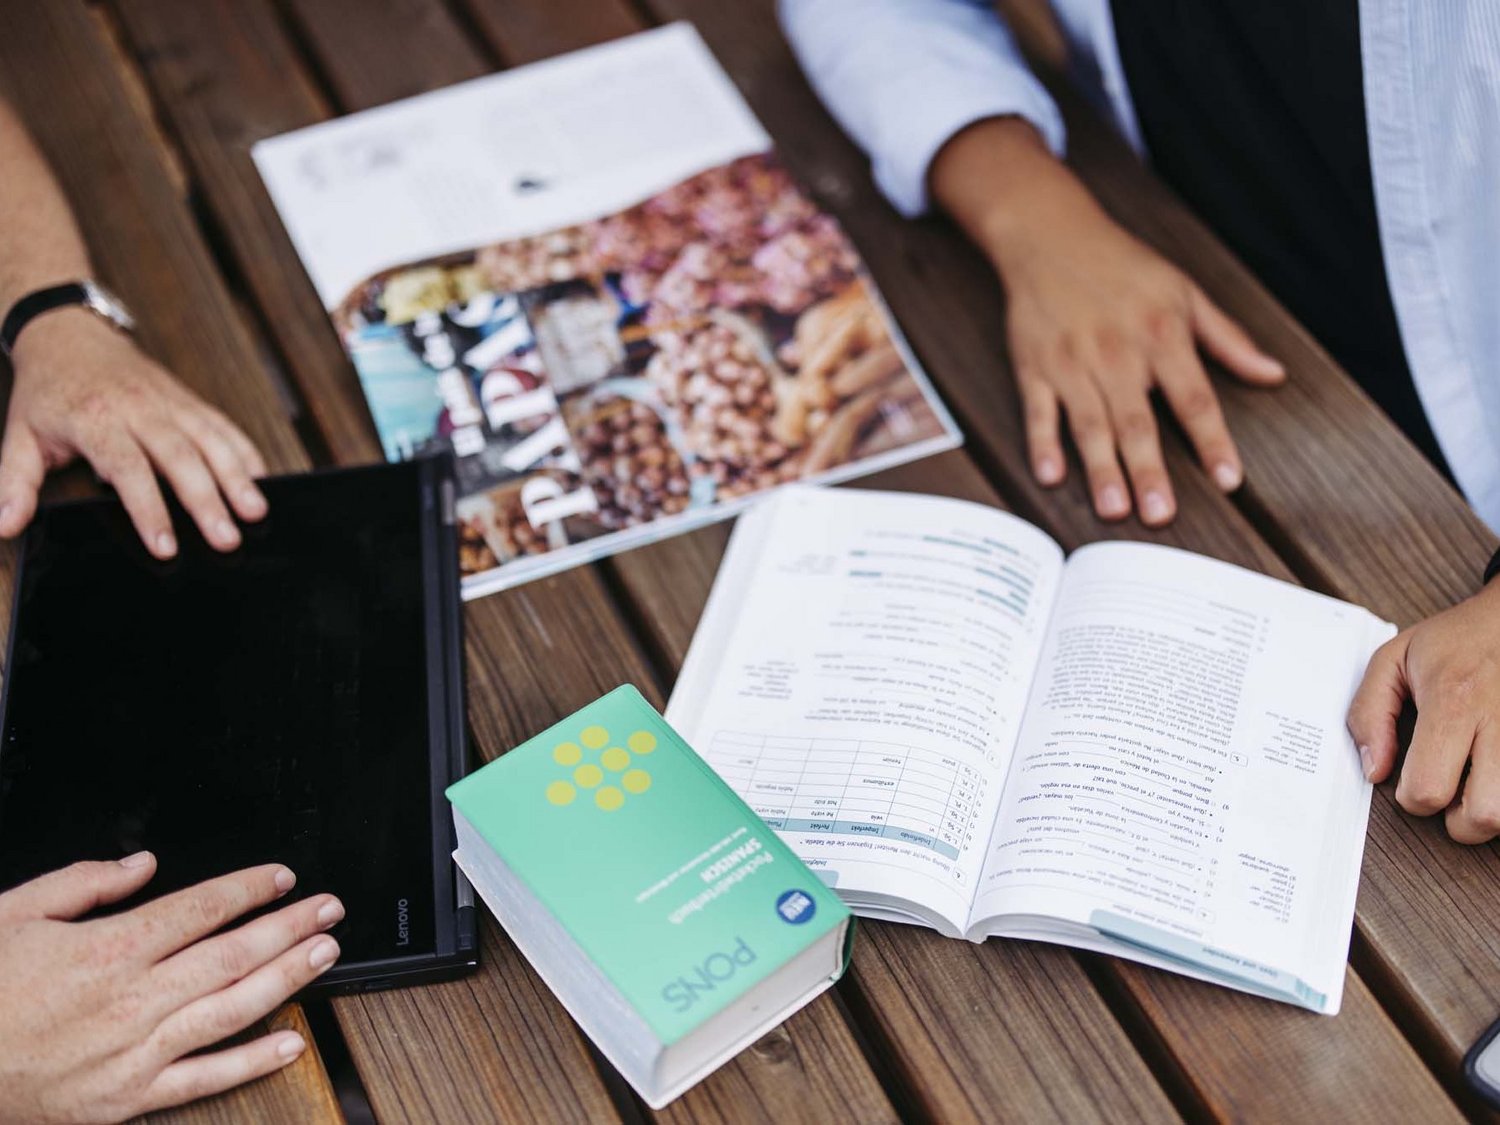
{"x": 679, "y": 893}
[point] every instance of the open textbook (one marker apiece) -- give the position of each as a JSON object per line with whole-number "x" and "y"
{"x": 592, "y": 282}
{"x": 1137, "y": 750}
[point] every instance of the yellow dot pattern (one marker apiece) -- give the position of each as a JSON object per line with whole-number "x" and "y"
{"x": 609, "y": 798}
{"x": 590, "y": 775}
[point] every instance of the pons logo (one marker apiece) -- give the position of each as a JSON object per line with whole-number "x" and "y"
{"x": 615, "y": 775}
{"x": 717, "y": 968}
{"x": 403, "y": 924}
{"x": 796, "y": 907}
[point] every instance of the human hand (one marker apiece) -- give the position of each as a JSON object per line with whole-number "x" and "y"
{"x": 101, "y": 1017}
{"x": 1096, "y": 322}
{"x": 83, "y": 389}
{"x": 1449, "y": 666}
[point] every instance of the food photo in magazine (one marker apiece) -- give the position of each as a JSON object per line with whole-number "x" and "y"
{"x": 630, "y": 372}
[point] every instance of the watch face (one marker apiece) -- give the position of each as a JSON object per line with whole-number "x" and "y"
{"x": 107, "y": 305}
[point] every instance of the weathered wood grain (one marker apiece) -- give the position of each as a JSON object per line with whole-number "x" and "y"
{"x": 1421, "y": 896}
{"x": 659, "y": 579}
{"x": 523, "y": 33}
{"x": 563, "y": 633}
{"x": 56, "y": 70}
{"x": 1357, "y": 1062}
{"x": 216, "y": 110}
{"x": 1327, "y": 473}
{"x": 65, "y": 80}
{"x": 963, "y": 302}
{"x": 766, "y": 1081}
{"x": 1219, "y": 533}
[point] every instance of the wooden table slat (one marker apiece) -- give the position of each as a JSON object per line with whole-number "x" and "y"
{"x": 1422, "y": 898}
{"x": 969, "y": 1032}
{"x": 62, "y": 75}
{"x": 1355, "y": 1062}
{"x": 578, "y": 648}
{"x": 216, "y": 109}
{"x": 660, "y": 578}
{"x": 523, "y": 33}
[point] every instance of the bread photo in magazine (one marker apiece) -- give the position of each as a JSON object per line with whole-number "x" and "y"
{"x": 591, "y": 280}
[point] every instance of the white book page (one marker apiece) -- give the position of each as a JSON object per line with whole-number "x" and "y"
{"x": 1183, "y": 780}
{"x": 859, "y": 676}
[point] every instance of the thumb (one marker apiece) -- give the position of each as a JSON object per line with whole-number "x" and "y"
{"x": 1377, "y": 706}
{"x": 22, "y": 469}
{"x": 1230, "y": 344}
{"x": 73, "y": 891}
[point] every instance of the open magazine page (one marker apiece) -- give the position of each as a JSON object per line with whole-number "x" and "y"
{"x": 1183, "y": 782}
{"x": 859, "y": 677}
{"x": 592, "y": 282}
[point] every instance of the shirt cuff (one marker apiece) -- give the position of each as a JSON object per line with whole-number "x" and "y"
{"x": 1493, "y": 569}
{"x": 929, "y": 120}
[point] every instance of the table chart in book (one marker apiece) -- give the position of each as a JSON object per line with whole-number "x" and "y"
{"x": 852, "y": 787}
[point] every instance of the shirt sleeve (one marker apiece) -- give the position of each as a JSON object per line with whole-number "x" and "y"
{"x": 903, "y": 76}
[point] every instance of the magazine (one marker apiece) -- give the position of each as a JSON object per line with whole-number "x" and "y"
{"x": 1134, "y": 750}
{"x": 592, "y": 282}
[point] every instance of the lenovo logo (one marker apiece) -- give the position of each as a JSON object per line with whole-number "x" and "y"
{"x": 403, "y": 924}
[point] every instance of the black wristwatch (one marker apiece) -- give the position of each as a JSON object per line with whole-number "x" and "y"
{"x": 90, "y": 294}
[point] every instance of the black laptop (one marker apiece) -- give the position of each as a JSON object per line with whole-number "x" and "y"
{"x": 299, "y": 700}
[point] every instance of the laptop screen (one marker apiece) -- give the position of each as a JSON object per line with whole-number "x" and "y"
{"x": 229, "y": 710}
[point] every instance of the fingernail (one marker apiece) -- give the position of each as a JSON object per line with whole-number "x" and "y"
{"x": 5, "y": 510}
{"x": 1226, "y": 476}
{"x": 1367, "y": 760}
{"x": 285, "y": 880}
{"x": 323, "y": 954}
{"x": 166, "y": 544}
{"x": 139, "y": 859}
{"x": 290, "y": 1046}
{"x": 1155, "y": 508}
{"x": 330, "y": 912}
{"x": 226, "y": 533}
{"x": 252, "y": 502}
{"x": 1112, "y": 501}
{"x": 1049, "y": 470}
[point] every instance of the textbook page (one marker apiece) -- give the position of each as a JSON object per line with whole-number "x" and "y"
{"x": 1183, "y": 784}
{"x": 859, "y": 676}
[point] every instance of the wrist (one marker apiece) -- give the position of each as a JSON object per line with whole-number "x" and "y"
{"x": 1013, "y": 197}
{"x": 1491, "y": 571}
{"x": 58, "y": 334}
{"x": 1032, "y": 223}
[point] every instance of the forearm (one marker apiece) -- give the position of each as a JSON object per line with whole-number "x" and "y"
{"x": 39, "y": 241}
{"x": 1001, "y": 183}
{"x": 81, "y": 388}
{"x": 905, "y": 76}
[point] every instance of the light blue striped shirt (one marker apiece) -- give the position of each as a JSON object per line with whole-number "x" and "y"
{"x": 903, "y": 76}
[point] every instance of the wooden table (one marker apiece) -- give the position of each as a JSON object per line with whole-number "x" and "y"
{"x": 148, "y": 108}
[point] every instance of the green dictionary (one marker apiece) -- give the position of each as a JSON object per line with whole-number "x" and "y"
{"x": 669, "y": 920}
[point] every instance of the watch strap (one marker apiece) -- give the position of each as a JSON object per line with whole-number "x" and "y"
{"x": 31, "y": 306}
